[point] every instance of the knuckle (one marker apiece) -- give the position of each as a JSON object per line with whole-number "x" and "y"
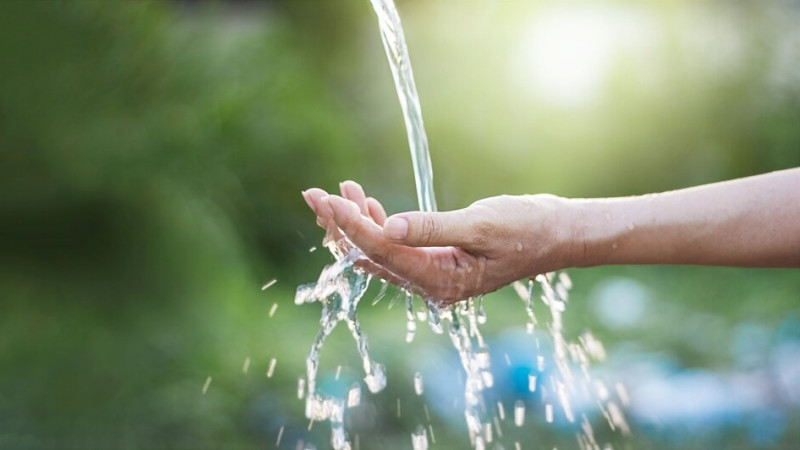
{"x": 430, "y": 230}
{"x": 482, "y": 231}
{"x": 382, "y": 257}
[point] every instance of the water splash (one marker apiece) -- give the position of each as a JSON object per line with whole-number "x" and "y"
{"x": 341, "y": 287}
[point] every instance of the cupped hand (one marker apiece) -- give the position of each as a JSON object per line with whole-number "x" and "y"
{"x": 453, "y": 255}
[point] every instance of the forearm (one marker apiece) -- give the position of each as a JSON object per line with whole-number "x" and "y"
{"x": 753, "y": 222}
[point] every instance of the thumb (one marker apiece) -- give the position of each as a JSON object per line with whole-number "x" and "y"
{"x": 439, "y": 229}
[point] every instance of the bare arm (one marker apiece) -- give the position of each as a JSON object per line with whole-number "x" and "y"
{"x": 749, "y": 222}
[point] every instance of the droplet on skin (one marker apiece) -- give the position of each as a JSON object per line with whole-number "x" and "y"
{"x": 631, "y": 226}
{"x": 271, "y": 368}
{"x": 614, "y": 246}
{"x": 206, "y": 384}
{"x": 269, "y": 284}
{"x": 519, "y": 247}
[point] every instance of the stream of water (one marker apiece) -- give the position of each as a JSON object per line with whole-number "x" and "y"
{"x": 341, "y": 287}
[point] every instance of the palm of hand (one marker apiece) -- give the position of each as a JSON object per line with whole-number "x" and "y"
{"x": 469, "y": 252}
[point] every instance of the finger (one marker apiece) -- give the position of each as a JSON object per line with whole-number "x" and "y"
{"x": 408, "y": 263}
{"x": 418, "y": 229}
{"x": 310, "y": 203}
{"x": 376, "y": 211}
{"x": 314, "y": 198}
{"x": 355, "y": 193}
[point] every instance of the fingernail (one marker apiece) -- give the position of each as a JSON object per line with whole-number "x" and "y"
{"x": 308, "y": 201}
{"x": 395, "y": 228}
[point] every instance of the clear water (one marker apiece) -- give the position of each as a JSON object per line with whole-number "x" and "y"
{"x": 394, "y": 42}
{"x": 341, "y": 287}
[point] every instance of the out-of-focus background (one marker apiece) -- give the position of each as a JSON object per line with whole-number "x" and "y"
{"x": 152, "y": 156}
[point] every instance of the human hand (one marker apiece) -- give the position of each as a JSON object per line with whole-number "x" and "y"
{"x": 453, "y": 255}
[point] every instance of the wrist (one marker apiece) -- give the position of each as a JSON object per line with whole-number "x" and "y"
{"x": 589, "y": 228}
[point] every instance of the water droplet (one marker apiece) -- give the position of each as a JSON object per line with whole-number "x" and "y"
{"x": 354, "y": 395}
{"x": 548, "y": 413}
{"x": 519, "y": 413}
{"x": 532, "y": 382}
{"x": 501, "y": 411}
{"x": 268, "y": 284}
{"x": 206, "y": 385}
{"x": 246, "y": 365}
{"x": 376, "y": 379}
{"x": 419, "y": 439}
{"x": 481, "y": 314}
{"x": 301, "y": 387}
{"x": 272, "y": 309}
{"x": 519, "y": 247}
{"x": 271, "y": 368}
{"x": 280, "y": 435}
{"x": 433, "y": 436}
{"x": 497, "y": 428}
{"x": 418, "y": 387}
{"x": 312, "y": 249}
{"x": 618, "y": 418}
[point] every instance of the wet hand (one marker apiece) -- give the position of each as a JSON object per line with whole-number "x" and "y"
{"x": 453, "y": 255}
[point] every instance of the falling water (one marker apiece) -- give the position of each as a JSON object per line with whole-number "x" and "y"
{"x": 394, "y": 42}
{"x": 341, "y": 287}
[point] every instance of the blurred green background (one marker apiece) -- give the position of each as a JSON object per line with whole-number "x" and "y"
{"x": 152, "y": 156}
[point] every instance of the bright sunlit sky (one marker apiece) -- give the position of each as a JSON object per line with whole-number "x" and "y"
{"x": 565, "y": 53}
